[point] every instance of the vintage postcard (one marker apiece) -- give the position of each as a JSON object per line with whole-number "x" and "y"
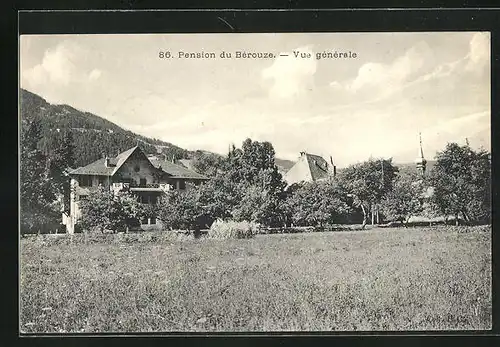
{"x": 245, "y": 182}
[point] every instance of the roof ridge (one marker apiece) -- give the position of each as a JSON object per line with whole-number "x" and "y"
{"x": 98, "y": 166}
{"x": 89, "y": 164}
{"x": 123, "y": 156}
{"x": 159, "y": 163}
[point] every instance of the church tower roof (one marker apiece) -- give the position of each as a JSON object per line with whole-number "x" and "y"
{"x": 420, "y": 161}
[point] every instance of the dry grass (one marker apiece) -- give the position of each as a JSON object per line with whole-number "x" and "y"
{"x": 381, "y": 279}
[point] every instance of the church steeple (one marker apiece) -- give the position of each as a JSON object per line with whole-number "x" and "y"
{"x": 420, "y": 161}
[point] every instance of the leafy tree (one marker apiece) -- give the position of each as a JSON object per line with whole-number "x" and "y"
{"x": 405, "y": 198}
{"x": 260, "y": 184}
{"x": 105, "y": 210}
{"x": 260, "y": 205}
{"x": 462, "y": 183}
{"x": 255, "y": 157}
{"x": 243, "y": 165}
{"x": 252, "y": 207}
{"x": 247, "y": 186}
{"x": 182, "y": 210}
{"x": 263, "y": 200}
{"x": 220, "y": 196}
{"x": 207, "y": 164}
{"x": 36, "y": 190}
{"x": 317, "y": 203}
{"x": 61, "y": 159}
{"x": 368, "y": 182}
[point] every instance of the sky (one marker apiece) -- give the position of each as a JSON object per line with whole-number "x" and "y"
{"x": 376, "y": 104}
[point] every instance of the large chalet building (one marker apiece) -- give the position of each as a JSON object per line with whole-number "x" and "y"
{"x": 147, "y": 178}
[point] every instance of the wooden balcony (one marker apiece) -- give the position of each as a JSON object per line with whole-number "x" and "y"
{"x": 152, "y": 187}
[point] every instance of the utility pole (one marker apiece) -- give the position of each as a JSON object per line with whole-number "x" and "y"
{"x": 373, "y": 213}
{"x": 382, "y": 164}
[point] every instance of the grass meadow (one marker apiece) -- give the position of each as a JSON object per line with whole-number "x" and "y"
{"x": 435, "y": 278}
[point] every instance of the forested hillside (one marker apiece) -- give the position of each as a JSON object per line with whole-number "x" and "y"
{"x": 284, "y": 165}
{"x": 93, "y": 136}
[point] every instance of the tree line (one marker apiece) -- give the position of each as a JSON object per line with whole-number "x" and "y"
{"x": 246, "y": 185}
{"x": 44, "y": 183}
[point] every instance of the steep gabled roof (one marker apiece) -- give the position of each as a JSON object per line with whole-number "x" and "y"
{"x": 309, "y": 167}
{"x": 95, "y": 168}
{"x": 122, "y": 158}
{"x": 98, "y": 167}
{"x": 176, "y": 171}
{"x": 317, "y": 166}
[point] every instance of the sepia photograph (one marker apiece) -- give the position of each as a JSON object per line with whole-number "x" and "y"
{"x": 255, "y": 182}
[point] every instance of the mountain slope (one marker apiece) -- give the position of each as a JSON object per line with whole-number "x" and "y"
{"x": 284, "y": 165}
{"x": 93, "y": 136}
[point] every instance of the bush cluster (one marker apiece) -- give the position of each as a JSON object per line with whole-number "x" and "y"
{"x": 232, "y": 230}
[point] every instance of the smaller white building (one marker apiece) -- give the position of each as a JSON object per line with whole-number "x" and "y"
{"x": 310, "y": 168}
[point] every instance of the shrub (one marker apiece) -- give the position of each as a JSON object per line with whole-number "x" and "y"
{"x": 317, "y": 204}
{"x": 105, "y": 211}
{"x": 232, "y": 230}
{"x": 182, "y": 210}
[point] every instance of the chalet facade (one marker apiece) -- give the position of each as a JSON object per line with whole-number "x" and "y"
{"x": 309, "y": 168}
{"x": 147, "y": 178}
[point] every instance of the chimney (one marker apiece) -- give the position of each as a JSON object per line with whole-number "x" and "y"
{"x": 106, "y": 161}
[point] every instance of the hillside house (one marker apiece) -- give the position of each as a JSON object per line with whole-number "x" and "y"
{"x": 131, "y": 170}
{"x": 309, "y": 168}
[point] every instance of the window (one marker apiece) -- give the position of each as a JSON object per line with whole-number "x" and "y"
{"x": 152, "y": 220}
{"x": 137, "y": 168}
{"x": 85, "y": 181}
{"x": 127, "y": 180}
{"x": 101, "y": 180}
{"x": 142, "y": 182}
{"x": 182, "y": 184}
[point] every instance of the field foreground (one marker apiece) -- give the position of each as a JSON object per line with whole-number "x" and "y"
{"x": 381, "y": 279}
